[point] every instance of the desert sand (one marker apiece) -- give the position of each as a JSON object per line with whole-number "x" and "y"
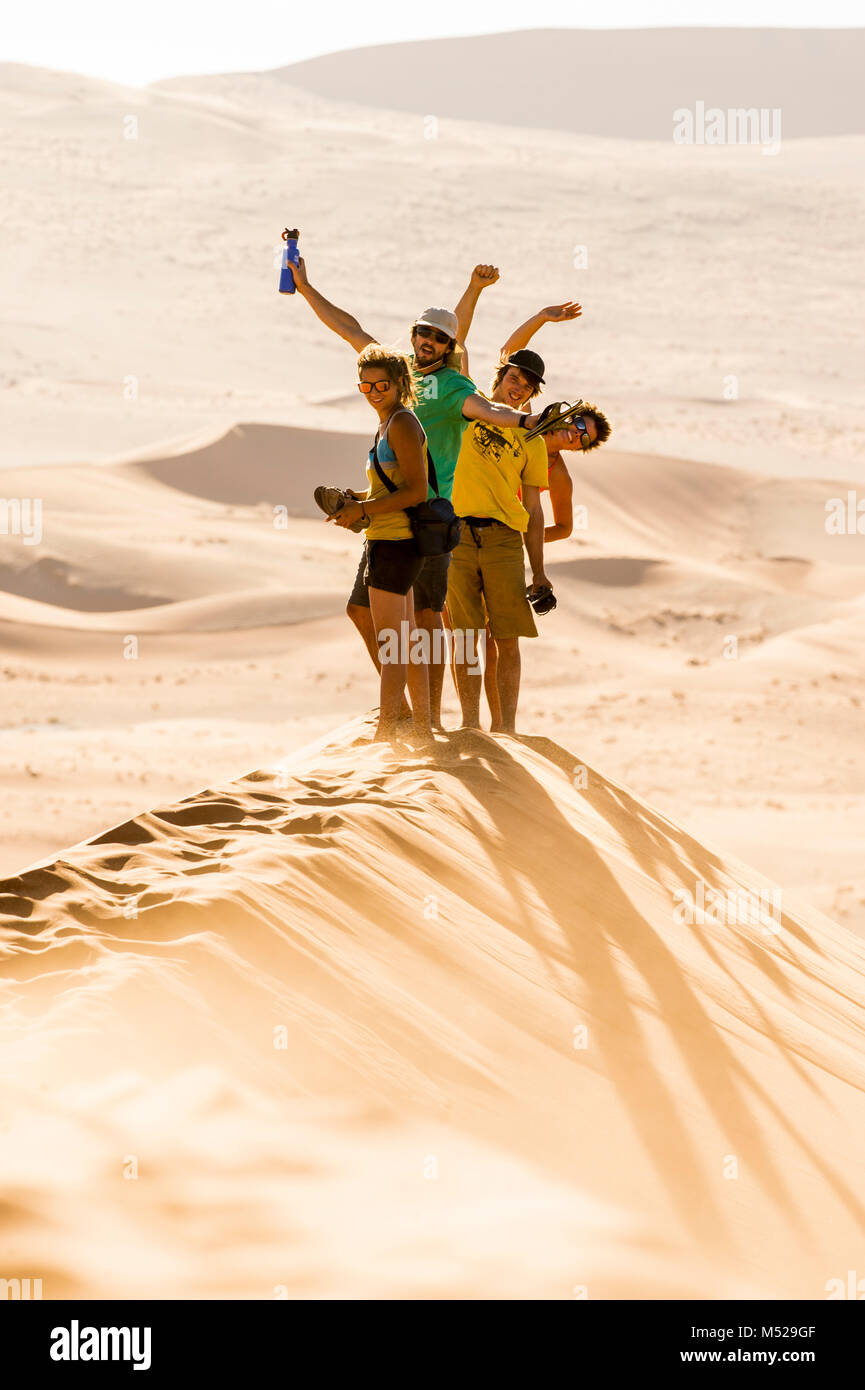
{"x": 387, "y": 1027}
{"x": 428, "y": 932}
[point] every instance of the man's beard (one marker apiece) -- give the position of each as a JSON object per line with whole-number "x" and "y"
{"x": 433, "y": 363}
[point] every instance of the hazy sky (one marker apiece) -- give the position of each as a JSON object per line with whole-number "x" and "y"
{"x": 135, "y": 43}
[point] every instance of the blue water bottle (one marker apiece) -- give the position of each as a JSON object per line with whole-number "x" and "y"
{"x": 290, "y": 257}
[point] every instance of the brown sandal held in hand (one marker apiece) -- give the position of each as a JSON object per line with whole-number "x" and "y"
{"x": 332, "y": 500}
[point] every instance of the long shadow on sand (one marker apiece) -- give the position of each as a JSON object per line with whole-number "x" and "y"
{"x": 595, "y": 930}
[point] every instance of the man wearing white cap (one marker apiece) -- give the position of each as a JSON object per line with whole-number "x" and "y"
{"x": 447, "y": 400}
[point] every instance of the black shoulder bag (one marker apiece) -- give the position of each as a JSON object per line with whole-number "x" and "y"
{"x": 435, "y": 525}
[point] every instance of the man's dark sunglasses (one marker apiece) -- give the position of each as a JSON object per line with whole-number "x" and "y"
{"x": 579, "y": 424}
{"x": 423, "y": 332}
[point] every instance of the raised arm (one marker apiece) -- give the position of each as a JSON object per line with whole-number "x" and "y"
{"x": 481, "y": 277}
{"x": 339, "y": 321}
{"x": 554, "y": 313}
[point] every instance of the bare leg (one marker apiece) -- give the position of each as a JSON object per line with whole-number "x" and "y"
{"x": 446, "y": 619}
{"x": 394, "y": 613}
{"x": 362, "y": 619}
{"x": 431, "y": 621}
{"x": 417, "y": 679}
{"x": 509, "y": 667}
{"x": 388, "y": 612}
{"x": 469, "y": 681}
{"x": 491, "y": 684}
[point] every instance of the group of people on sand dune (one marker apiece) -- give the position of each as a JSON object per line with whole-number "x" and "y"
{"x": 438, "y": 434}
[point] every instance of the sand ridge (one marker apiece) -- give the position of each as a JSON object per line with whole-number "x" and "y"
{"x": 347, "y": 943}
{"x": 208, "y": 555}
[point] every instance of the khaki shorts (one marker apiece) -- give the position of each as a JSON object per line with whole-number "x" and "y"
{"x": 487, "y": 581}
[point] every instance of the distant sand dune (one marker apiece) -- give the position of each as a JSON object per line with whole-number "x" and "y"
{"x": 252, "y": 463}
{"x": 241, "y": 543}
{"x": 232, "y": 519}
{"x": 626, "y": 83}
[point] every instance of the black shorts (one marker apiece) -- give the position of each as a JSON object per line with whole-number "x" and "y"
{"x": 431, "y": 585}
{"x": 390, "y": 565}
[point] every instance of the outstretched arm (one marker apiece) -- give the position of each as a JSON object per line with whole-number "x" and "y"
{"x": 481, "y": 277}
{"x": 479, "y": 408}
{"x": 554, "y": 313}
{"x": 338, "y": 320}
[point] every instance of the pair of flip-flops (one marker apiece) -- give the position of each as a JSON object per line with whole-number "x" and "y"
{"x": 332, "y": 500}
{"x": 559, "y": 415}
{"x": 543, "y": 600}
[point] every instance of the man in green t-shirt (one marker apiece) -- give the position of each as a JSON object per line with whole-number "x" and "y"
{"x": 447, "y": 400}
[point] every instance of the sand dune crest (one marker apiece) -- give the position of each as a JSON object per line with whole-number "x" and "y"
{"x": 350, "y": 944}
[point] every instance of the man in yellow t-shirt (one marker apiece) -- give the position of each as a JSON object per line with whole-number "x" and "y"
{"x": 497, "y": 483}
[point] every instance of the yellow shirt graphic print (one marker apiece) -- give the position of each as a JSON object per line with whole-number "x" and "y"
{"x": 494, "y": 463}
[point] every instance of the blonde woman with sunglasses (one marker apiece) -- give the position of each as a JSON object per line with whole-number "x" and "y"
{"x": 391, "y": 563}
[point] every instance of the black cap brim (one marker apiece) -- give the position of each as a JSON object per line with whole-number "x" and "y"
{"x": 521, "y": 367}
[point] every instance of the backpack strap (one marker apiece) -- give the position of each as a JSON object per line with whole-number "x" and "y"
{"x": 432, "y": 476}
{"x": 391, "y": 487}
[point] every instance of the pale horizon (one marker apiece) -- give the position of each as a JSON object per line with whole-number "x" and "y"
{"x": 90, "y": 49}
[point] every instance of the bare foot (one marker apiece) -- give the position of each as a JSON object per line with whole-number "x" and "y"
{"x": 386, "y": 733}
{"x": 422, "y": 740}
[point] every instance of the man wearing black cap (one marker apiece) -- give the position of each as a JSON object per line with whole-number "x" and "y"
{"x": 497, "y": 492}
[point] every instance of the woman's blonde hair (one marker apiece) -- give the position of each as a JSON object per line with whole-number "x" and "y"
{"x": 397, "y": 367}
